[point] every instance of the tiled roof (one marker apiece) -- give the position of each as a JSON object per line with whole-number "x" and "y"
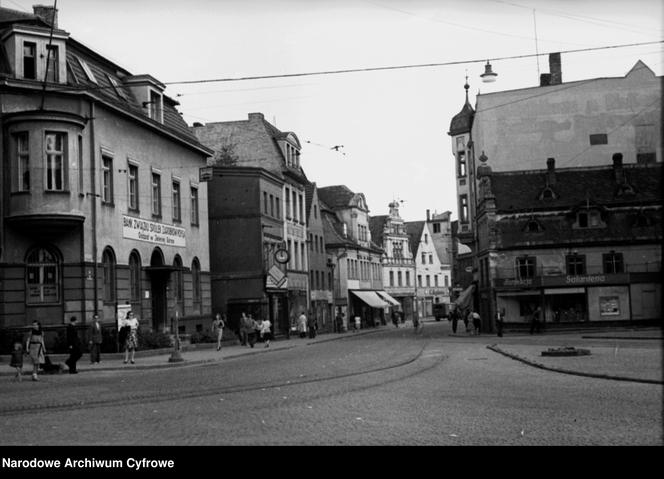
{"x": 462, "y": 121}
{"x": 520, "y": 191}
{"x": 8, "y": 15}
{"x": 376, "y": 227}
{"x": 414, "y": 230}
{"x": 336, "y": 197}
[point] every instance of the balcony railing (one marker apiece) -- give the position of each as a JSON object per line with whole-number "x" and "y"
{"x": 526, "y": 273}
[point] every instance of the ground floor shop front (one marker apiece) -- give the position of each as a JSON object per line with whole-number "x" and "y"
{"x": 584, "y": 299}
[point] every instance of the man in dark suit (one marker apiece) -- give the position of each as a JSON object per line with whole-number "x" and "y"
{"x": 74, "y": 346}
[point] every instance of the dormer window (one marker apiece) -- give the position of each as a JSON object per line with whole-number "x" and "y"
{"x": 155, "y": 106}
{"x": 548, "y": 194}
{"x": 589, "y": 219}
{"x": 533, "y": 226}
{"x": 29, "y": 60}
{"x": 118, "y": 91}
{"x": 86, "y": 69}
{"x": 52, "y": 63}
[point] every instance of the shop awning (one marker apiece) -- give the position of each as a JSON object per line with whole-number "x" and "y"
{"x": 388, "y": 298}
{"x": 371, "y": 298}
{"x": 465, "y": 298}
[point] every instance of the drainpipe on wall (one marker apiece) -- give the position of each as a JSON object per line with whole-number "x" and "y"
{"x": 93, "y": 194}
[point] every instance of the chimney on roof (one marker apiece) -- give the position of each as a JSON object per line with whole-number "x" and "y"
{"x": 555, "y": 69}
{"x": 618, "y": 172}
{"x": 428, "y": 215}
{"x": 551, "y": 171}
{"x": 46, "y": 13}
{"x": 256, "y": 116}
{"x": 197, "y": 124}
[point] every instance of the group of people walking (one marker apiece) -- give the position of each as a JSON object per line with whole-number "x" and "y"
{"x": 251, "y": 330}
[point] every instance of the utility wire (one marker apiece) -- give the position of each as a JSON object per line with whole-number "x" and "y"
{"x": 400, "y": 67}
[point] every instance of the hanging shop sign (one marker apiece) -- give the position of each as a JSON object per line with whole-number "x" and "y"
{"x": 151, "y": 232}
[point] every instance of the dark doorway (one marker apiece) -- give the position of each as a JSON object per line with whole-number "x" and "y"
{"x": 158, "y": 281}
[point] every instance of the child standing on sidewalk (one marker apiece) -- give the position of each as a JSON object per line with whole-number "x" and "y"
{"x": 17, "y": 361}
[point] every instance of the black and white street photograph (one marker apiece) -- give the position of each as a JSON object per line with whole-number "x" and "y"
{"x": 332, "y": 223}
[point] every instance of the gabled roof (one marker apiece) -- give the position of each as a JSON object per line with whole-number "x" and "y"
{"x": 520, "y": 190}
{"x": 377, "y": 227}
{"x": 336, "y": 197}
{"x": 414, "y": 230}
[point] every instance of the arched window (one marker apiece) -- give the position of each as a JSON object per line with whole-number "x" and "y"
{"x": 196, "y": 283}
{"x": 135, "y": 276}
{"x": 178, "y": 286}
{"x": 108, "y": 264}
{"x": 42, "y": 276}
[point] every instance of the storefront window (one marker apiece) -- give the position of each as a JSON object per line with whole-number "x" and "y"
{"x": 43, "y": 277}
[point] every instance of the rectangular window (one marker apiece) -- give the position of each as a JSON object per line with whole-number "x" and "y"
{"x": 576, "y": 264}
{"x": 447, "y": 281}
{"x": 177, "y": 210}
{"x": 86, "y": 69}
{"x": 107, "y": 179}
{"x": 436, "y": 227}
{"x": 419, "y": 280}
{"x": 424, "y": 258}
{"x": 430, "y": 259}
{"x": 294, "y": 215}
{"x": 80, "y": 164}
{"x": 22, "y": 161}
{"x": 272, "y": 205}
{"x": 463, "y": 208}
{"x": 29, "y": 61}
{"x": 300, "y": 208}
{"x": 599, "y": 139}
{"x": 391, "y": 278}
{"x": 461, "y": 164}
{"x": 435, "y": 281}
{"x": 525, "y": 267}
{"x": 276, "y": 207}
{"x": 52, "y": 63}
{"x": 613, "y": 263}
{"x": 399, "y": 278}
{"x": 407, "y": 278}
{"x": 194, "y": 205}
{"x": 265, "y": 210}
{"x": 155, "y": 106}
{"x": 428, "y": 281}
{"x": 156, "y": 194}
{"x": 55, "y": 161}
{"x": 118, "y": 90}
{"x": 288, "y": 207}
{"x": 132, "y": 175}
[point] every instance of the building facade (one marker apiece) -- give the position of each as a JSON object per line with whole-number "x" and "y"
{"x": 580, "y": 124}
{"x": 583, "y": 244}
{"x": 102, "y": 208}
{"x": 357, "y": 270}
{"x": 255, "y": 143}
{"x": 399, "y": 270}
{"x": 320, "y": 269}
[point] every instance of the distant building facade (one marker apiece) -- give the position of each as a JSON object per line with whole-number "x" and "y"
{"x": 358, "y": 288}
{"x": 390, "y": 232}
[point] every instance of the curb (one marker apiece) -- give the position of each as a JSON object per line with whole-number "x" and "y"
{"x": 660, "y": 338}
{"x": 496, "y": 349}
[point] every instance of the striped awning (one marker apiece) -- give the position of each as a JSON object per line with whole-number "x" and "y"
{"x": 371, "y": 298}
{"x": 388, "y": 298}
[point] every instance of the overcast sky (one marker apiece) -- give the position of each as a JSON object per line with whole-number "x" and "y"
{"x": 393, "y": 123}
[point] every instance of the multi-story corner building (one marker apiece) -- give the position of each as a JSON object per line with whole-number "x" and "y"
{"x": 101, "y": 204}
{"x": 432, "y": 276}
{"x": 320, "y": 269}
{"x": 399, "y": 273}
{"x": 584, "y": 244}
{"x": 355, "y": 260}
{"x": 580, "y": 124}
{"x": 257, "y": 144}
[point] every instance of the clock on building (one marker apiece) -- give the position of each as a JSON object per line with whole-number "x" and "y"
{"x": 281, "y": 256}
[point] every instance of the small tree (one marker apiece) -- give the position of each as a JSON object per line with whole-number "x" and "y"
{"x": 226, "y": 155}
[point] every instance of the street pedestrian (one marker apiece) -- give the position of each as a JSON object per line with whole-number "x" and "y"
{"x": 17, "y": 360}
{"x": 36, "y": 348}
{"x": 312, "y": 326}
{"x": 466, "y": 319}
{"x": 500, "y": 319}
{"x": 357, "y": 323}
{"x": 340, "y": 321}
{"x": 218, "y": 328}
{"x": 477, "y": 323}
{"x": 74, "y": 346}
{"x": 395, "y": 318}
{"x": 96, "y": 338}
{"x": 535, "y": 321}
{"x": 248, "y": 330}
{"x": 454, "y": 314}
{"x": 266, "y": 332}
{"x": 131, "y": 341}
{"x": 302, "y": 325}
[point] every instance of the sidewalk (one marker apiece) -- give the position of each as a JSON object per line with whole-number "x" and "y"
{"x": 621, "y": 360}
{"x": 193, "y": 354}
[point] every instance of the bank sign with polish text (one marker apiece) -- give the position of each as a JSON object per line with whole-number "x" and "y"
{"x": 151, "y": 232}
